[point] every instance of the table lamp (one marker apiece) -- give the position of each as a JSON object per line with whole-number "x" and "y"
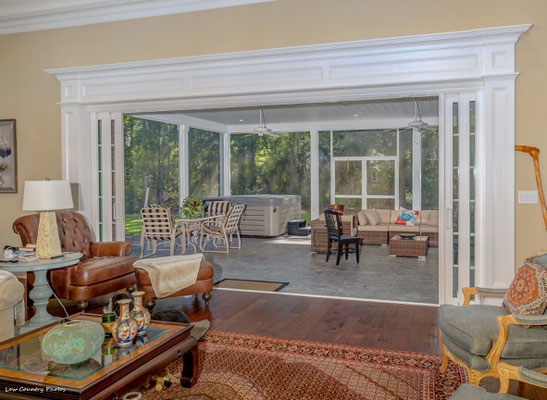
{"x": 46, "y": 196}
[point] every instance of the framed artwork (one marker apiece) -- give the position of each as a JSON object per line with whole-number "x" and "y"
{"x": 8, "y": 157}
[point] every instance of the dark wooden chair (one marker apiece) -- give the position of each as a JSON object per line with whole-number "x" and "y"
{"x": 334, "y": 233}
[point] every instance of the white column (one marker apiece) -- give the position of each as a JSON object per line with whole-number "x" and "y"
{"x": 314, "y": 152}
{"x": 183, "y": 163}
{"x": 225, "y": 169}
{"x": 496, "y": 170}
{"x": 416, "y": 169}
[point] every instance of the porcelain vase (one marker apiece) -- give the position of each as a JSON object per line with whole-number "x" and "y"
{"x": 73, "y": 342}
{"x": 140, "y": 314}
{"x": 124, "y": 330}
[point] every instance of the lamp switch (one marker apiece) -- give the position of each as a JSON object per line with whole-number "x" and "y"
{"x": 528, "y": 197}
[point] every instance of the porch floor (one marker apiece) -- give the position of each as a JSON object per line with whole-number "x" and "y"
{"x": 288, "y": 259}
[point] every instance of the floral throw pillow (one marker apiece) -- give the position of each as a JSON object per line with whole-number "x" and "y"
{"x": 527, "y": 294}
{"x": 407, "y": 217}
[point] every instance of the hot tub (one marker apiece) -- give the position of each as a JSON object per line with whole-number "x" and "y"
{"x": 265, "y": 215}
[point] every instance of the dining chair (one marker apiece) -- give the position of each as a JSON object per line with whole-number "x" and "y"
{"x": 334, "y": 233}
{"x": 221, "y": 230}
{"x": 157, "y": 227}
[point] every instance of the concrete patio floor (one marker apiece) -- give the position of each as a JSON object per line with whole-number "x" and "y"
{"x": 288, "y": 259}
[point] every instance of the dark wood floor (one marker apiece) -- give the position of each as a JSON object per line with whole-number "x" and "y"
{"x": 377, "y": 325}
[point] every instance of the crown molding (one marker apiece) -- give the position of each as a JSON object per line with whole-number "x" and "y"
{"x": 108, "y": 11}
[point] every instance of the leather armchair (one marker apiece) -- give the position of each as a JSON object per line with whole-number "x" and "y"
{"x": 106, "y": 267}
{"x": 482, "y": 337}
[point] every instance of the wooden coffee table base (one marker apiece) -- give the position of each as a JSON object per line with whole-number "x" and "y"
{"x": 109, "y": 378}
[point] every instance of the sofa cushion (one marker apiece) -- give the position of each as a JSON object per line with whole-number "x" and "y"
{"x": 429, "y": 217}
{"x": 527, "y": 294}
{"x": 385, "y": 216}
{"x": 407, "y": 217}
{"x": 429, "y": 229}
{"x": 100, "y": 269}
{"x": 475, "y": 329}
{"x": 362, "y": 218}
{"x": 373, "y": 228}
{"x": 404, "y": 228}
{"x": 373, "y": 216}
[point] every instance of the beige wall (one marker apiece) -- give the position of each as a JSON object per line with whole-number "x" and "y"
{"x": 29, "y": 94}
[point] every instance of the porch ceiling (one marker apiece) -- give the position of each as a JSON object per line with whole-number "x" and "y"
{"x": 397, "y": 109}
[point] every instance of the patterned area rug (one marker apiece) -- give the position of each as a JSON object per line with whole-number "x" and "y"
{"x": 236, "y": 366}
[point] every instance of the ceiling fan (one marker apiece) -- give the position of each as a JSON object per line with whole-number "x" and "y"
{"x": 417, "y": 122}
{"x": 262, "y": 129}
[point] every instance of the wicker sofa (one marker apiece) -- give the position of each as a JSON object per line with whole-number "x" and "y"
{"x": 427, "y": 224}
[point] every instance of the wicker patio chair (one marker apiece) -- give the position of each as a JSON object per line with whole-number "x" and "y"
{"x": 158, "y": 226}
{"x": 221, "y": 230}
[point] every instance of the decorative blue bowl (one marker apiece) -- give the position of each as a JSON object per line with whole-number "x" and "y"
{"x": 73, "y": 342}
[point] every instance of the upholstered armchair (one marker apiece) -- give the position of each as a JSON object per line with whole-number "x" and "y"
{"x": 480, "y": 337}
{"x": 106, "y": 267}
{"x": 11, "y": 294}
{"x": 506, "y": 372}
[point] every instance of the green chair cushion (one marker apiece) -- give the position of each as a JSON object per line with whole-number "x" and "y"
{"x": 473, "y": 392}
{"x": 479, "y": 363}
{"x": 475, "y": 329}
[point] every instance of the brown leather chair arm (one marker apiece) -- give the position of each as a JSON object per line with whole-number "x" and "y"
{"x": 110, "y": 249}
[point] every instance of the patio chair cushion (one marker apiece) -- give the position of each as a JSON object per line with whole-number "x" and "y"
{"x": 474, "y": 329}
{"x": 527, "y": 294}
{"x": 474, "y": 392}
{"x": 373, "y": 228}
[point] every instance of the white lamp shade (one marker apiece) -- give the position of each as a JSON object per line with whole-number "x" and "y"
{"x": 47, "y": 195}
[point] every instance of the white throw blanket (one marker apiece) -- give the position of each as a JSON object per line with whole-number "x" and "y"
{"x": 169, "y": 275}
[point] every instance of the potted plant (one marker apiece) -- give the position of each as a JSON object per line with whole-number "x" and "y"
{"x": 192, "y": 208}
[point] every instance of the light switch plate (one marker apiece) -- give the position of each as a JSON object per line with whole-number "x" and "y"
{"x": 528, "y": 197}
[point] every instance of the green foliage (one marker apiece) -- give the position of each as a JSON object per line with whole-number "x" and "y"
{"x": 430, "y": 169}
{"x": 133, "y": 225}
{"x": 204, "y": 163}
{"x": 268, "y": 165}
{"x": 151, "y": 148}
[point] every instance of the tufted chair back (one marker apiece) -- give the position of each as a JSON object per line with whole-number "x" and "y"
{"x": 74, "y": 231}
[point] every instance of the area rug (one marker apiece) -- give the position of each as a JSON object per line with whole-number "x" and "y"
{"x": 247, "y": 284}
{"x": 236, "y": 366}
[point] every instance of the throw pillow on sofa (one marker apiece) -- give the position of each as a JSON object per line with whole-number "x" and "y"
{"x": 363, "y": 220}
{"x": 373, "y": 217}
{"x": 407, "y": 217}
{"x": 527, "y": 294}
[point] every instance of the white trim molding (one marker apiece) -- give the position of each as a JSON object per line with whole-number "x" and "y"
{"x": 479, "y": 61}
{"x": 105, "y": 11}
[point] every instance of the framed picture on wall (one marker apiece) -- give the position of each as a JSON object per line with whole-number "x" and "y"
{"x": 8, "y": 156}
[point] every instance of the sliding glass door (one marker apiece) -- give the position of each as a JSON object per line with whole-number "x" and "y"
{"x": 461, "y": 195}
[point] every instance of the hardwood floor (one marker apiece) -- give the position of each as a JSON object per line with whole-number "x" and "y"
{"x": 367, "y": 324}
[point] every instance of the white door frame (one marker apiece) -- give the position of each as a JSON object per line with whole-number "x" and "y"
{"x": 423, "y": 65}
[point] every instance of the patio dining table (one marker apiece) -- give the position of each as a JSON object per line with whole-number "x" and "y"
{"x": 191, "y": 228}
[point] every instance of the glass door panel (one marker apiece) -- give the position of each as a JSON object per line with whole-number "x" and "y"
{"x": 381, "y": 178}
{"x": 348, "y": 178}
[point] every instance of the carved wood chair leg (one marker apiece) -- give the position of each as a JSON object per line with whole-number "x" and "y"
{"x": 82, "y": 305}
{"x": 444, "y": 364}
{"x": 149, "y": 304}
{"x": 206, "y": 298}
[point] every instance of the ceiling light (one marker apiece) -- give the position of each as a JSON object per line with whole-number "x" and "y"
{"x": 355, "y": 115}
{"x": 241, "y": 120}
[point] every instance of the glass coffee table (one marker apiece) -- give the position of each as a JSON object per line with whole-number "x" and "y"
{"x": 415, "y": 246}
{"x": 25, "y": 372}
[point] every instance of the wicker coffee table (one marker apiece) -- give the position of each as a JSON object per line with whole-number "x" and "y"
{"x": 416, "y": 247}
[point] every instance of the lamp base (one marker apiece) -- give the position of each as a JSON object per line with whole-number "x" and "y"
{"x": 48, "y": 244}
